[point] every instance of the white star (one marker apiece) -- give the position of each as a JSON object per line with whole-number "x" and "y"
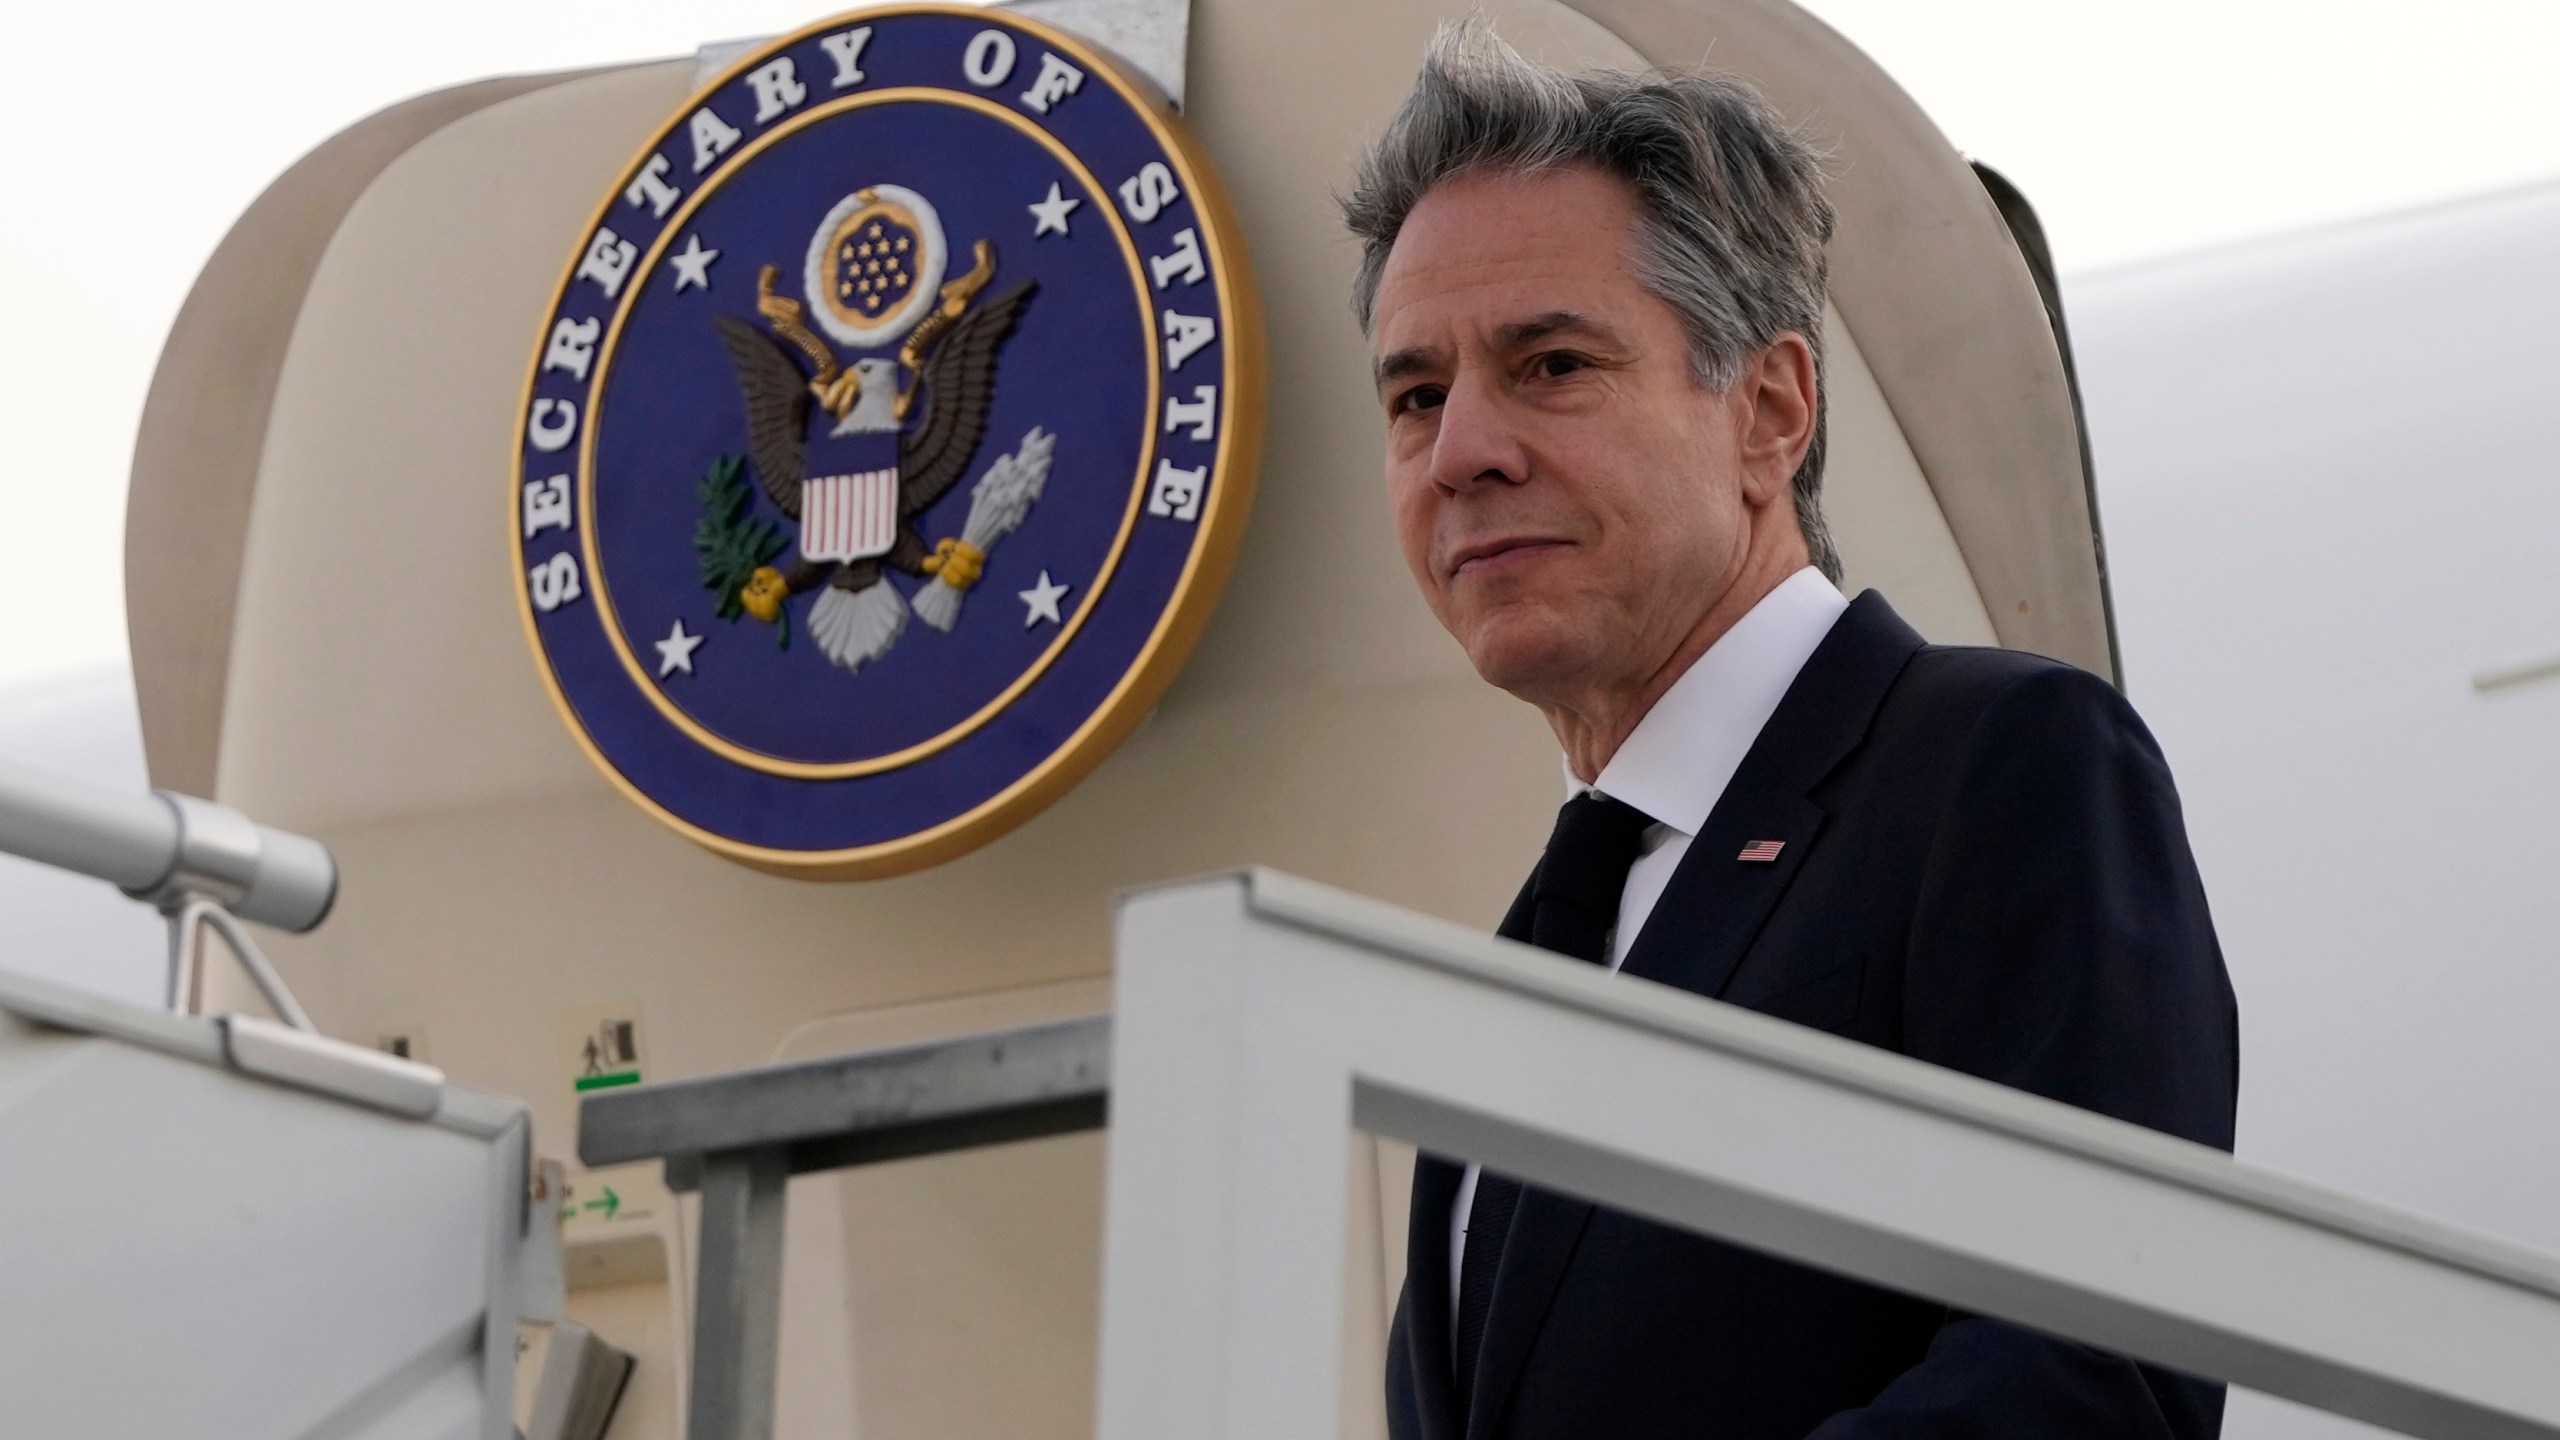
{"x": 676, "y": 651}
{"x": 693, "y": 264}
{"x": 1052, "y": 212}
{"x": 1041, "y": 601}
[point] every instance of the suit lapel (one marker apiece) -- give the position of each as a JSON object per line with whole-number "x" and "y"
{"x": 1695, "y": 937}
{"x": 1516, "y": 920}
{"x": 1426, "y": 1267}
{"x": 1716, "y": 902}
{"x": 1714, "y": 907}
{"x": 1545, "y": 1231}
{"x": 1426, "y": 1295}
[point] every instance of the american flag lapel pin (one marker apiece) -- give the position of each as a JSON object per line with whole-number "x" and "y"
{"x": 1761, "y": 852}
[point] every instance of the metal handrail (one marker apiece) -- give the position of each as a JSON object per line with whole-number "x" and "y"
{"x": 738, "y": 1137}
{"x": 1259, "y": 1017}
{"x": 202, "y": 865}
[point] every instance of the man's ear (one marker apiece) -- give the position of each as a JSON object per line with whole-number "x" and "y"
{"x": 1777, "y": 394}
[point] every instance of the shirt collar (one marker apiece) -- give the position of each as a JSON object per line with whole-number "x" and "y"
{"x": 1676, "y": 763}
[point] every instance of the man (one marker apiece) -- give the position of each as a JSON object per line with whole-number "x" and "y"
{"x": 1595, "y": 305}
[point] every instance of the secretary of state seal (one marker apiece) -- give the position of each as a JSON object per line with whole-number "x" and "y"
{"x": 1595, "y": 311}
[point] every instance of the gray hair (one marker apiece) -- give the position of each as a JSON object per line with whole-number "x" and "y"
{"x": 1731, "y": 216}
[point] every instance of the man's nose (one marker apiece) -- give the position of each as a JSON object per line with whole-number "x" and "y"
{"x": 1476, "y": 443}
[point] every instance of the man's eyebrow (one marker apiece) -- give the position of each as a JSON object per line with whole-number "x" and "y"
{"x": 1414, "y": 359}
{"x": 1546, "y": 326}
{"x": 1411, "y": 360}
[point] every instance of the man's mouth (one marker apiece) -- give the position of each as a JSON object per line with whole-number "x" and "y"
{"x": 1488, "y": 557}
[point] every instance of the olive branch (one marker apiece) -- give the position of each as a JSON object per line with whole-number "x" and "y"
{"x": 732, "y": 542}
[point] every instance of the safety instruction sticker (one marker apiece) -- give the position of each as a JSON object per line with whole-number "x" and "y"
{"x": 602, "y": 1044}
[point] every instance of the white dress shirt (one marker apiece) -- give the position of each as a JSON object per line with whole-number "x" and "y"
{"x": 1676, "y": 763}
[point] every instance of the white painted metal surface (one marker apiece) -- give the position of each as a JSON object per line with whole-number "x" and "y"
{"x": 193, "y": 1250}
{"x": 153, "y": 844}
{"x": 1259, "y": 1016}
{"x": 1152, "y": 35}
{"x": 56, "y": 925}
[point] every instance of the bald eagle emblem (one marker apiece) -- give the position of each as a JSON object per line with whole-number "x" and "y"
{"x": 853, "y": 448}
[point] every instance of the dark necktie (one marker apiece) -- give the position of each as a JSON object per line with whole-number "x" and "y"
{"x": 1573, "y": 904}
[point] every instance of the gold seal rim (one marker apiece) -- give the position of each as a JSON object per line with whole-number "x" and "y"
{"x": 1196, "y": 591}
{"x": 590, "y": 544}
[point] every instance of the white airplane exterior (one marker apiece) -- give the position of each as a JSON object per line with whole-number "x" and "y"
{"x": 2329, "y": 466}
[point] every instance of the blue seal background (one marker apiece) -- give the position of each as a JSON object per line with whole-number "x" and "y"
{"x": 669, "y": 404}
{"x": 1075, "y": 365}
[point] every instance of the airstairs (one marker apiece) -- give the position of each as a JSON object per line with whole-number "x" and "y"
{"x": 1260, "y": 1018}
{"x": 230, "y": 1226}
{"x": 233, "y": 1227}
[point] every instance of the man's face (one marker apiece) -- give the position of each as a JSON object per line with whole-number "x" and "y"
{"x": 1570, "y": 498}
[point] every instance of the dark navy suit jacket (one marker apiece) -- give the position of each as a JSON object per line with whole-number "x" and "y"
{"x": 1985, "y": 869}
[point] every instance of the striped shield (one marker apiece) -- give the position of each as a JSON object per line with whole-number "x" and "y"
{"x": 849, "y": 517}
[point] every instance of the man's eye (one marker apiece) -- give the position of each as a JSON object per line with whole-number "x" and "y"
{"x": 1558, "y": 363}
{"x": 1420, "y": 397}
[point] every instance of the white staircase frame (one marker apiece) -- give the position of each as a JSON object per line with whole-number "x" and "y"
{"x": 1260, "y": 1018}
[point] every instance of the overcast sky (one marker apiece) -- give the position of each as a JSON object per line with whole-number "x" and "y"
{"x": 2138, "y": 129}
